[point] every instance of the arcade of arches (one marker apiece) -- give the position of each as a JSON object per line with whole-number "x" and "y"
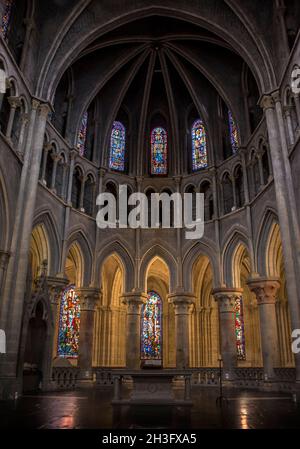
{"x": 176, "y": 98}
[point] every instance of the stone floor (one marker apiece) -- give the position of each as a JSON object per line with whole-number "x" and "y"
{"x": 92, "y": 409}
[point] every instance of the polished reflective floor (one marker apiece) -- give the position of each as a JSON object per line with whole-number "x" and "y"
{"x": 92, "y": 409}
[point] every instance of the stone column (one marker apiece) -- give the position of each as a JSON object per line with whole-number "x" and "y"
{"x": 81, "y": 198}
{"x": 290, "y": 251}
{"x": 243, "y": 152}
{"x": 56, "y": 286}
{"x": 215, "y": 192}
{"x": 261, "y": 171}
{"x": 183, "y": 304}
{"x": 265, "y": 290}
{"x": 24, "y": 123}
{"x": 226, "y": 298}
{"x": 73, "y": 155}
{"x": 15, "y": 285}
{"x": 288, "y": 118}
{"x": 88, "y": 301}
{"x": 56, "y": 158}
{"x": 4, "y": 258}
{"x": 134, "y": 301}
{"x": 234, "y": 193}
{"x": 47, "y": 147}
{"x": 297, "y": 105}
{"x": 14, "y": 103}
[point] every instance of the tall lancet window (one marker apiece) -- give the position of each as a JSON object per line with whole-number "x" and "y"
{"x": 69, "y": 322}
{"x": 117, "y": 147}
{"x": 233, "y": 133}
{"x": 199, "y": 152}
{"x": 5, "y": 10}
{"x": 159, "y": 151}
{"x": 151, "y": 334}
{"x": 239, "y": 329}
{"x": 81, "y": 139}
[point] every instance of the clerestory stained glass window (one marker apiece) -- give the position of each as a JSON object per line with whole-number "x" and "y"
{"x": 233, "y": 133}
{"x": 6, "y": 8}
{"x": 151, "y": 332}
{"x": 69, "y": 322}
{"x": 239, "y": 329}
{"x": 159, "y": 151}
{"x": 117, "y": 147}
{"x": 81, "y": 140}
{"x": 199, "y": 153}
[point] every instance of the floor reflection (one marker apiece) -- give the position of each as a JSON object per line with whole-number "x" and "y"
{"x": 93, "y": 409}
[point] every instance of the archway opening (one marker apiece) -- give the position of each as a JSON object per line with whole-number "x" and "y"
{"x": 110, "y": 321}
{"x": 157, "y": 318}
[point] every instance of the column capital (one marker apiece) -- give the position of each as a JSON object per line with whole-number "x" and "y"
{"x": 35, "y": 103}
{"x": 183, "y": 302}
{"x": 267, "y": 102}
{"x": 56, "y": 285}
{"x": 276, "y": 96}
{"x": 89, "y": 296}
{"x": 226, "y": 298}
{"x": 134, "y": 300}
{"x": 44, "y": 109}
{"x": 14, "y": 102}
{"x": 265, "y": 289}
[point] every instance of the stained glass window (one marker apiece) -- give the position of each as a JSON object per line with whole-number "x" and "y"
{"x": 239, "y": 329}
{"x": 159, "y": 151}
{"x": 6, "y": 8}
{"x": 117, "y": 147}
{"x": 199, "y": 154}
{"x": 233, "y": 133}
{"x": 151, "y": 335}
{"x": 81, "y": 140}
{"x": 69, "y": 322}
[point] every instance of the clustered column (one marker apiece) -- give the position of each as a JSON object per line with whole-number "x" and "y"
{"x": 183, "y": 304}
{"x": 134, "y": 301}
{"x": 89, "y": 298}
{"x": 226, "y": 298}
{"x": 266, "y": 290}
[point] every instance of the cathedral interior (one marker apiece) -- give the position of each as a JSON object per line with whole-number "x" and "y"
{"x": 164, "y": 97}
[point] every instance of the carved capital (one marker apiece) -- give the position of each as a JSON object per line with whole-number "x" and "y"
{"x": 35, "y": 103}
{"x": 183, "y": 302}
{"x": 56, "y": 285}
{"x": 14, "y": 102}
{"x": 47, "y": 146}
{"x": 89, "y": 297}
{"x": 226, "y": 298}
{"x": 276, "y": 96}
{"x": 267, "y": 102}
{"x": 134, "y": 301}
{"x": 44, "y": 110}
{"x": 265, "y": 289}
